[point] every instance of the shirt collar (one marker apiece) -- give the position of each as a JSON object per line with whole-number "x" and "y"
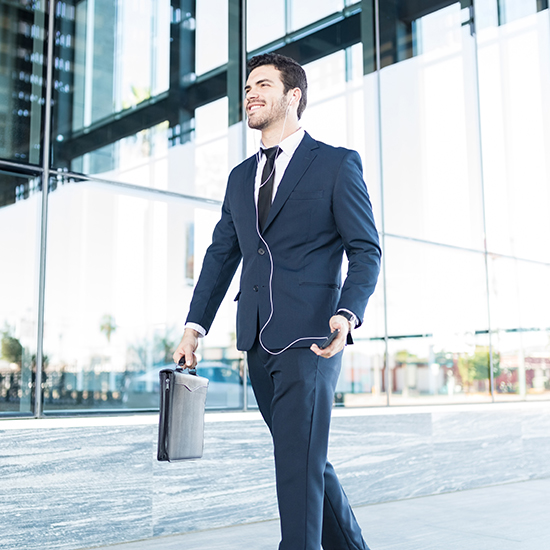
{"x": 290, "y": 144}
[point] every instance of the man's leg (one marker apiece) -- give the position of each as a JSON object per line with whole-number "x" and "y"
{"x": 295, "y": 392}
{"x": 340, "y": 528}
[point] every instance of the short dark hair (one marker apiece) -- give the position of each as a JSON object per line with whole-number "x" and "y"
{"x": 292, "y": 74}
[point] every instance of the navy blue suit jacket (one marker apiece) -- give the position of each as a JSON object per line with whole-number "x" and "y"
{"x": 320, "y": 210}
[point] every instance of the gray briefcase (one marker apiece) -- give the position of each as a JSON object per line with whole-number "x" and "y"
{"x": 181, "y": 422}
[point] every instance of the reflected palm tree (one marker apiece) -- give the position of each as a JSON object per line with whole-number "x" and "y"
{"x": 108, "y": 326}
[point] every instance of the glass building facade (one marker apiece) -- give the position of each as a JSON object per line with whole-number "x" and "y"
{"x": 121, "y": 119}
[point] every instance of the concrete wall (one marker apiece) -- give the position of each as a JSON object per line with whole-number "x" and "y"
{"x": 80, "y": 482}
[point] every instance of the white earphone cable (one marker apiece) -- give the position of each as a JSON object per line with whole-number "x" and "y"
{"x": 271, "y": 259}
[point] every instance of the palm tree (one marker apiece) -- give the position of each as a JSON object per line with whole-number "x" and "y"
{"x": 108, "y": 326}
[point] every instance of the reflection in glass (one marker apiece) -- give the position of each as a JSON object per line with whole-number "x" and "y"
{"x": 212, "y": 20}
{"x": 122, "y": 259}
{"x": 440, "y": 369}
{"x": 117, "y": 291}
{"x": 434, "y": 290}
{"x": 20, "y": 204}
{"x": 211, "y": 149}
{"x": 437, "y": 305}
{"x": 22, "y": 79}
{"x": 361, "y": 382}
{"x": 510, "y": 10}
{"x": 520, "y": 301}
{"x": 139, "y": 159}
{"x": 514, "y": 91}
{"x": 430, "y": 147}
{"x": 265, "y": 23}
{"x": 335, "y": 99}
{"x": 326, "y": 77}
{"x": 118, "y": 52}
{"x": 305, "y": 12}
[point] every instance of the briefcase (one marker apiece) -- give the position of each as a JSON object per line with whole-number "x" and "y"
{"x": 181, "y": 421}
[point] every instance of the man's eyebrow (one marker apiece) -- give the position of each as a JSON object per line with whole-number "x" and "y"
{"x": 261, "y": 81}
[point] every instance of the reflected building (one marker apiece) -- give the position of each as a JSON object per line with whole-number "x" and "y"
{"x": 110, "y": 191}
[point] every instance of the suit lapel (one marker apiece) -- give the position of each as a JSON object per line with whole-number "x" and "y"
{"x": 248, "y": 191}
{"x": 299, "y": 163}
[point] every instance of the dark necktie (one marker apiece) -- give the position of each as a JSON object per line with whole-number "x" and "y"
{"x": 266, "y": 190}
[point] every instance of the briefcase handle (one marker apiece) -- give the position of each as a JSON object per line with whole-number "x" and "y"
{"x": 182, "y": 367}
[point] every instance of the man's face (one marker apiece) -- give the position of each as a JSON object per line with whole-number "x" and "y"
{"x": 266, "y": 102}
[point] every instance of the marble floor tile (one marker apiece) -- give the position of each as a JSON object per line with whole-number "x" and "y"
{"x": 233, "y": 482}
{"x": 383, "y": 458}
{"x": 464, "y": 520}
{"x": 63, "y": 488}
{"x": 67, "y": 488}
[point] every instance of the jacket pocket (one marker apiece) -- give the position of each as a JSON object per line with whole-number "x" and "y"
{"x": 322, "y": 285}
{"x": 306, "y": 195}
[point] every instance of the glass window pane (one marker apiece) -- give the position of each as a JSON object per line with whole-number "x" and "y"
{"x": 361, "y": 381}
{"x": 22, "y": 83}
{"x": 441, "y": 369}
{"x": 514, "y": 89}
{"x": 20, "y": 207}
{"x": 211, "y": 150}
{"x": 486, "y": 12}
{"x": 437, "y": 314}
{"x": 430, "y": 147}
{"x": 510, "y": 10}
{"x": 211, "y": 121}
{"x": 520, "y": 301}
{"x": 197, "y": 167}
{"x": 120, "y": 273}
{"x": 119, "y": 52}
{"x": 211, "y": 168}
{"x": 265, "y": 22}
{"x": 325, "y": 115}
{"x": 140, "y": 159}
{"x": 326, "y": 77}
{"x": 305, "y": 12}
{"x": 211, "y": 35}
{"x": 335, "y": 110}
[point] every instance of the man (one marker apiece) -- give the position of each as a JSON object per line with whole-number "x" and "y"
{"x": 289, "y": 213}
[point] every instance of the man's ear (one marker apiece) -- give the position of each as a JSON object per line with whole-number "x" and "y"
{"x": 296, "y": 96}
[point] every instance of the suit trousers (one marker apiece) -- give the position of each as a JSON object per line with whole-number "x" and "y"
{"x": 295, "y": 392}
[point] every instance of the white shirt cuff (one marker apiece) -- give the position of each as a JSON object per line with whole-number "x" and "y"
{"x": 198, "y": 328}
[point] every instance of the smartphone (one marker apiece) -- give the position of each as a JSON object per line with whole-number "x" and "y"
{"x": 329, "y": 339}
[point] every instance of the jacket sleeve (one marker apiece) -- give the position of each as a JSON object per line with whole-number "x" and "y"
{"x": 219, "y": 265}
{"x": 355, "y": 223}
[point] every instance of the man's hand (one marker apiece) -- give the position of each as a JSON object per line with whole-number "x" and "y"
{"x": 336, "y": 322}
{"x": 187, "y": 347}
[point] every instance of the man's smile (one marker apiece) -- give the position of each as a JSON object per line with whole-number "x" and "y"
{"x": 252, "y": 107}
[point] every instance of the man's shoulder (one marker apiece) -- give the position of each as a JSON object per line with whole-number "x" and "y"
{"x": 331, "y": 150}
{"x": 244, "y": 165}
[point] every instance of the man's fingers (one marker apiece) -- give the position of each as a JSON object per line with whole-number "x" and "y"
{"x": 335, "y": 347}
{"x": 178, "y": 354}
{"x": 186, "y": 349}
{"x": 189, "y": 358}
{"x": 189, "y": 355}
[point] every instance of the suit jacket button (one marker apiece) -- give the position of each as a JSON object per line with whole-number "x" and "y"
{"x": 261, "y": 251}
{"x": 255, "y": 288}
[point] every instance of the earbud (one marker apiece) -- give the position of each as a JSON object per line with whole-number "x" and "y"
{"x": 291, "y": 101}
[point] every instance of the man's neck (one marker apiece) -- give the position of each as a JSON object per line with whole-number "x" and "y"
{"x": 274, "y": 136}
